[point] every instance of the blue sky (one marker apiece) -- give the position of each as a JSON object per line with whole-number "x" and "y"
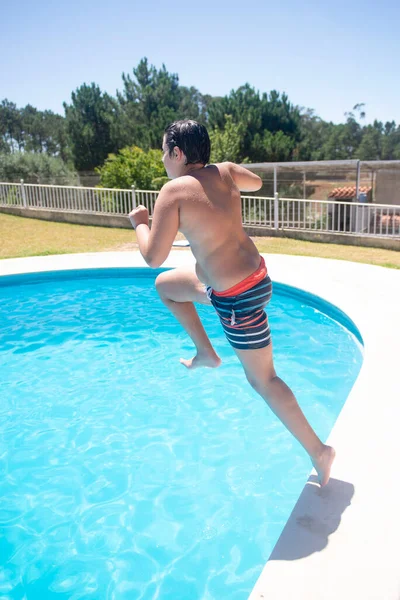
{"x": 325, "y": 56}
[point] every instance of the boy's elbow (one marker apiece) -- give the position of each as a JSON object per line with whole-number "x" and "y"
{"x": 253, "y": 186}
{"x": 258, "y": 183}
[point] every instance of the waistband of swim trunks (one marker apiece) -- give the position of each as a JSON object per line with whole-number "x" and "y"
{"x": 247, "y": 283}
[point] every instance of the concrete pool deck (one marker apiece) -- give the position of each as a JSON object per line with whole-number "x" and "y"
{"x": 341, "y": 541}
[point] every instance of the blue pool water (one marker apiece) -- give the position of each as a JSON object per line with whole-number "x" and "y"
{"x": 123, "y": 475}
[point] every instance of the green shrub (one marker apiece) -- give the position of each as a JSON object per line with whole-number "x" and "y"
{"x": 36, "y": 168}
{"x": 133, "y": 166}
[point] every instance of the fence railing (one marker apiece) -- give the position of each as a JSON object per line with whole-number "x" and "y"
{"x": 324, "y": 216}
{"x": 329, "y": 216}
{"x": 68, "y": 198}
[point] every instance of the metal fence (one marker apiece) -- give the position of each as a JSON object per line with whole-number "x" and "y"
{"x": 329, "y": 216}
{"x": 332, "y": 216}
{"x": 322, "y": 216}
{"x": 67, "y": 198}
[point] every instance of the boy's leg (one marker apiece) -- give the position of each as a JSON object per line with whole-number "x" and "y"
{"x": 260, "y": 372}
{"x": 178, "y": 289}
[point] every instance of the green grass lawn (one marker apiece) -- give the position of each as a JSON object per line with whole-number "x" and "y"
{"x": 30, "y": 237}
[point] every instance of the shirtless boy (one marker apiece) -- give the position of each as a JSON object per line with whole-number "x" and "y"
{"x": 203, "y": 202}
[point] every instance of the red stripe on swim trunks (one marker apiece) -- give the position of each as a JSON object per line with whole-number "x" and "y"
{"x": 245, "y": 322}
{"x": 247, "y": 283}
{"x": 250, "y": 319}
{"x": 241, "y": 326}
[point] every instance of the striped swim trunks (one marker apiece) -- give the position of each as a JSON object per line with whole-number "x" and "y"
{"x": 241, "y": 310}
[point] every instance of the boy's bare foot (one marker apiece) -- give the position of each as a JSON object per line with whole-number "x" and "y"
{"x": 323, "y": 464}
{"x": 210, "y": 359}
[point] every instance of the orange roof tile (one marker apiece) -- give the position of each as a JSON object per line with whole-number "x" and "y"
{"x": 348, "y": 191}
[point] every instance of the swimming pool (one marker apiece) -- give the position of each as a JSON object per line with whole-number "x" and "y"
{"x": 126, "y": 476}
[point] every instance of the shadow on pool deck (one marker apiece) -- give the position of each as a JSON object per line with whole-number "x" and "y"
{"x": 315, "y": 517}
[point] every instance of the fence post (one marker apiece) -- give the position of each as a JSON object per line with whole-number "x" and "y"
{"x": 276, "y": 211}
{"x": 23, "y": 193}
{"x": 133, "y": 197}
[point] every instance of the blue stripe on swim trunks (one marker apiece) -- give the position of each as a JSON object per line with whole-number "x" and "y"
{"x": 243, "y": 317}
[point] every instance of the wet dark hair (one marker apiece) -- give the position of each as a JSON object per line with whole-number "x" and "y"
{"x": 192, "y": 138}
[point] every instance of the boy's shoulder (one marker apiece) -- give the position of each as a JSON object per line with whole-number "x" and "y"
{"x": 178, "y": 185}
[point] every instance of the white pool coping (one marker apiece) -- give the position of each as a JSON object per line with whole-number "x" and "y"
{"x": 340, "y": 542}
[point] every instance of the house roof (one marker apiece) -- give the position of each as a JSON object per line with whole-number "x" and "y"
{"x": 349, "y": 191}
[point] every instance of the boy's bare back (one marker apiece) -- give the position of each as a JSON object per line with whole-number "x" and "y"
{"x": 210, "y": 217}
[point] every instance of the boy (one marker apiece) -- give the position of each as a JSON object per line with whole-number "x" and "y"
{"x": 203, "y": 202}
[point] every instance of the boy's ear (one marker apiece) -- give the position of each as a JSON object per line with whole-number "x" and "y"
{"x": 178, "y": 153}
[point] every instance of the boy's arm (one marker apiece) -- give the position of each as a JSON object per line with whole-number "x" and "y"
{"x": 245, "y": 180}
{"x": 155, "y": 244}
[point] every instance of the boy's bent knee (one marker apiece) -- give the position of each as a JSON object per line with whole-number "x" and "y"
{"x": 160, "y": 278}
{"x": 161, "y": 282}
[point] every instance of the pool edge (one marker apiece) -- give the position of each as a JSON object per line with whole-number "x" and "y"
{"x": 352, "y": 547}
